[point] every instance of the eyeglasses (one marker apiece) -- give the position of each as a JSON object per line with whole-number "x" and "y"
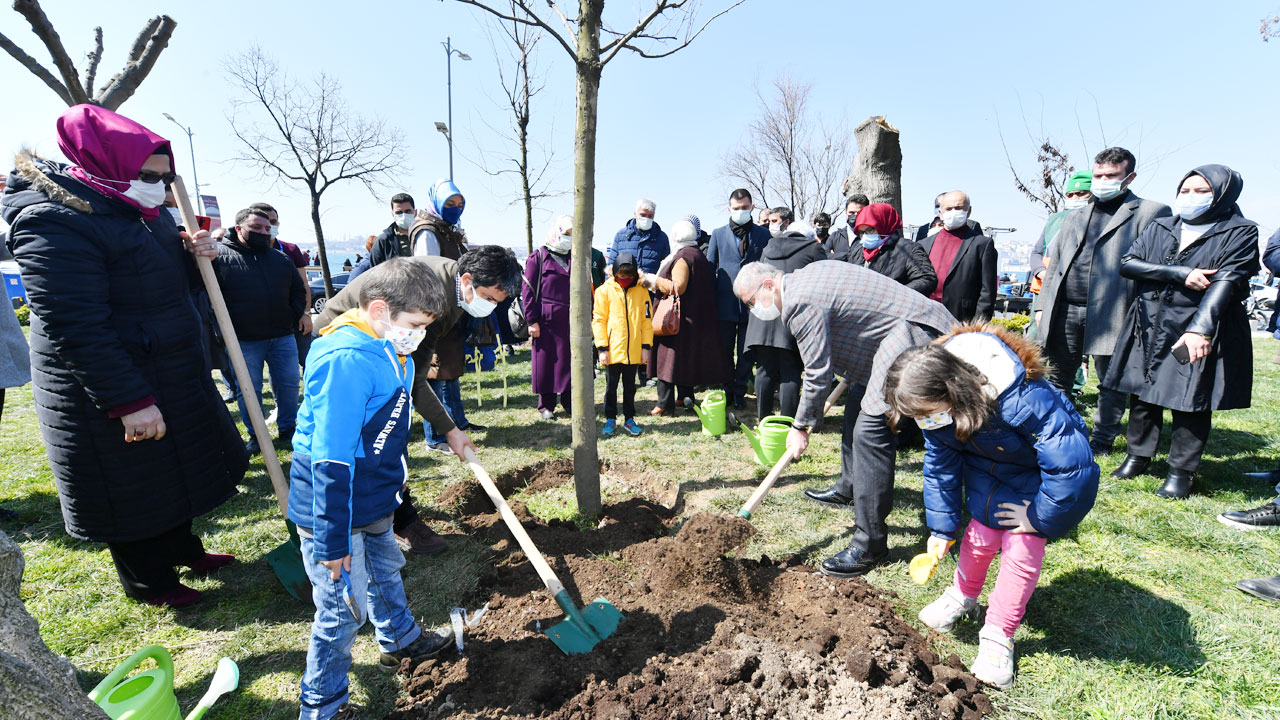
{"x": 147, "y": 176}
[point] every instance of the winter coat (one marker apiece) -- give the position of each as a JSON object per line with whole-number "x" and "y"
{"x": 113, "y": 330}
{"x": 449, "y": 362}
{"x": 969, "y": 291}
{"x": 350, "y": 451}
{"x": 787, "y": 252}
{"x": 649, "y": 247}
{"x": 1034, "y": 447}
{"x": 904, "y": 261}
{"x": 15, "y": 363}
{"x": 390, "y": 243}
{"x": 622, "y": 322}
{"x": 1271, "y": 260}
{"x": 264, "y": 292}
{"x": 545, "y": 294}
{"x": 837, "y": 243}
{"x": 693, "y": 356}
{"x": 1109, "y": 294}
{"x": 726, "y": 261}
{"x": 1165, "y": 308}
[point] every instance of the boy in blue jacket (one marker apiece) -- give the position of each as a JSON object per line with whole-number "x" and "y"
{"x": 349, "y": 463}
{"x": 1003, "y": 443}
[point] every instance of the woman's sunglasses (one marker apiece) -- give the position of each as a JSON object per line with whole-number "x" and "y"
{"x": 147, "y": 176}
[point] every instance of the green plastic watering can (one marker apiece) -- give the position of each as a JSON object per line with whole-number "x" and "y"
{"x": 769, "y": 439}
{"x": 148, "y": 695}
{"x": 711, "y": 412}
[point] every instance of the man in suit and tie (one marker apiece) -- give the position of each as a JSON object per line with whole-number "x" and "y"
{"x": 964, "y": 259}
{"x": 1084, "y": 299}
{"x": 732, "y": 246}
{"x": 854, "y": 322}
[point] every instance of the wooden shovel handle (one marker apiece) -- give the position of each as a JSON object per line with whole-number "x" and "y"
{"x": 835, "y": 395}
{"x": 257, "y": 422}
{"x": 763, "y": 489}
{"x": 526, "y": 543}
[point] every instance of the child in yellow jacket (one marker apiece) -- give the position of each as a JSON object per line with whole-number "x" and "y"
{"x": 622, "y": 326}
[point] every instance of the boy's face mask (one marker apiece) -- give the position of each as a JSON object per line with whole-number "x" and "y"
{"x": 404, "y": 340}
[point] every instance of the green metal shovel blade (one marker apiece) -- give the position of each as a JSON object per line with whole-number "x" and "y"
{"x": 582, "y": 629}
{"x": 286, "y": 561}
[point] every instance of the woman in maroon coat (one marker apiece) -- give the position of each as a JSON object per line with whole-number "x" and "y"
{"x": 545, "y": 296}
{"x": 692, "y": 356}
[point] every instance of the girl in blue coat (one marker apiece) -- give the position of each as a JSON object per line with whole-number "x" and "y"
{"x": 1003, "y": 443}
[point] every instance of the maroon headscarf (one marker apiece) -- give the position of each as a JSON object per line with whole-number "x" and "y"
{"x": 880, "y": 216}
{"x": 107, "y": 150}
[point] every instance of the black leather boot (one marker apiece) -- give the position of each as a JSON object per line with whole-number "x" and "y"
{"x": 1177, "y": 485}
{"x": 1132, "y": 467}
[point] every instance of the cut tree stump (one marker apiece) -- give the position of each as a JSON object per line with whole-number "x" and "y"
{"x": 35, "y": 684}
{"x": 877, "y": 170}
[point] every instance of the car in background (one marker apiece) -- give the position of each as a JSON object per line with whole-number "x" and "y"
{"x": 318, "y": 297}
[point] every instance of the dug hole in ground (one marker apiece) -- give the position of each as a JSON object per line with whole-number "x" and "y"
{"x": 706, "y": 635}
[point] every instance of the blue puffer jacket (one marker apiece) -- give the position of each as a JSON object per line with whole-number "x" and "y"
{"x": 1035, "y": 448}
{"x": 649, "y": 247}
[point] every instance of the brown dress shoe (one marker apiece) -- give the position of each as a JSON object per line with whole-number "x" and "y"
{"x": 421, "y": 540}
{"x": 657, "y": 410}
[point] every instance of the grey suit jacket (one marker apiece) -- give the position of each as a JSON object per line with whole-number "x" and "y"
{"x": 1109, "y": 294}
{"x": 850, "y": 320}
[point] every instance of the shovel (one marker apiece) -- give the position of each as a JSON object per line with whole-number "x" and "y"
{"x": 581, "y": 629}
{"x": 758, "y": 496}
{"x": 285, "y": 560}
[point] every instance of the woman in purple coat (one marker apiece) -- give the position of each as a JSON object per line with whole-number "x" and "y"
{"x": 546, "y": 305}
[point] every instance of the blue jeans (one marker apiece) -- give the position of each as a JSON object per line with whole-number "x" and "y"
{"x": 281, "y": 357}
{"x": 378, "y": 588}
{"x": 450, "y": 394}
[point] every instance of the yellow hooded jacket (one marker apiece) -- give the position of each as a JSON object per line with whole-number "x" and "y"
{"x": 622, "y": 322}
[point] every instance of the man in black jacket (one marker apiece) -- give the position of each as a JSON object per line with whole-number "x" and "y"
{"x": 394, "y": 241}
{"x": 265, "y": 298}
{"x": 964, "y": 260}
{"x": 838, "y": 243}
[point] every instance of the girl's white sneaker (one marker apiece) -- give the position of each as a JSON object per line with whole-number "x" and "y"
{"x": 994, "y": 665}
{"x": 951, "y": 605}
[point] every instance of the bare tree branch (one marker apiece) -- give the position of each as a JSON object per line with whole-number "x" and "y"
{"x": 95, "y": 57}
{"x": 40, "y": 25}
{"x": 36, "y": 69}
{"x": 528, "y": 17}
{"x": 684, "y": 44}
{"x": 1270, "y": 28}
{"x": 125, "y": 83}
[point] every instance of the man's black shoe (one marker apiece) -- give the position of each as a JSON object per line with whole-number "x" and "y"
{"x": 1132, "y": 467}
{"x": 852, "y": 562}
{"x": 830, "y": 496}
{"x": 1266, "y": 517}
{"x": 739, "y": 403}
{"x": 1100, "y": 447}
{"x": 1177, "y": 486}
{"x": 1267, "y": 588}
{"x": 474, "y": 427}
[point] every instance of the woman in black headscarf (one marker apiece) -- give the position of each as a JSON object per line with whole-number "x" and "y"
{"x": 1186, "y": 344}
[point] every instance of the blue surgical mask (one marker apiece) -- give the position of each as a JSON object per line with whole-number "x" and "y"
{"x": 871, "y": 240}
{"x": 1190, "y": 206}
{"x": 740, "y": 217}
{"x": 452, "y": 215}
{"x": 936, "y": 421}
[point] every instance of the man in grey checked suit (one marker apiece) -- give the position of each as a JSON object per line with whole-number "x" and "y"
{"x": 855, "y": 322}
{"x": 1084, "y": 299}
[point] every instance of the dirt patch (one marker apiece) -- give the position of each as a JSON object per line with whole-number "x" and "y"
{"x": 706, "y": 635}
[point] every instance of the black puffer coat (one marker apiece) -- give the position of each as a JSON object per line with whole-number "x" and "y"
{"x": 113, "y": 325}
{"x": 902, "y": 260}
{"x": 264, "y": 292}
{"x": 787, "y": 252}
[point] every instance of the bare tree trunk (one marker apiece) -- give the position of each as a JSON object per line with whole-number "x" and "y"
{"x": 35, "y": 684}
{"x": 586, "y": 459}
{"x": 324, "y": 256}
{"x": 524, "y": 178}
{"x": 877, "y": 170}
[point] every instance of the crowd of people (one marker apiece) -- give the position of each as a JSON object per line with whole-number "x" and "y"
{"x": 123, "y": 344}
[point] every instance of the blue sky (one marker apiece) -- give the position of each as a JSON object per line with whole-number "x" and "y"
{"x": 1178, "y": 83}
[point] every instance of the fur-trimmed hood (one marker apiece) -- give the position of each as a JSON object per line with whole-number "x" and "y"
{"x": 1004, "y": 358}
{"x": 35, "y": 180}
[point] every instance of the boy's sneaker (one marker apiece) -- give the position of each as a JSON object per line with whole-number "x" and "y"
{"x": 610, "y": 426}
{"x": 994, "y": 665}
{"x": 951, "y": 605}
{"x": 428, "y": 644}
{"x": 440, "y": 447}
{"x": 632, "y": 427}
{"x": 1266, "y": 517}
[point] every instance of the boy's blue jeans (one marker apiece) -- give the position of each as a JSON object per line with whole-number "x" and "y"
{"x": 378, "y": 588}
{"x": 450, "y": 394}
{"x": 281, "y": 357}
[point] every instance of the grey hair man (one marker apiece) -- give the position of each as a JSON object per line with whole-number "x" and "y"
{"x": 964, "y": 261}
{"x": 854, "y": 322}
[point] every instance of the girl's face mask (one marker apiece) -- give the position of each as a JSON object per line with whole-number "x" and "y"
{"x": 935, "y": 421}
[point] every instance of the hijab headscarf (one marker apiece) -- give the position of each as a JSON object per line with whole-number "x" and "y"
{"x": 880, "y": 216}
{"x": 439, "y": 194}
{"x": 1227, "y": 185}
{"x": 107, "y": 151}
{"x": 561, "y": 227}
{"x": 683, "y": 234}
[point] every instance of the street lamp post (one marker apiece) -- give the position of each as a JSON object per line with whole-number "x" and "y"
{"x": 449, "y": 52}
{"x": 195, "y": 179}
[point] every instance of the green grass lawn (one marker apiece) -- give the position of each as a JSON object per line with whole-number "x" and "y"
{"x": 1136, "y": 615}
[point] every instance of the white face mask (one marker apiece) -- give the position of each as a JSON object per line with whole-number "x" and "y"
{"x": 1075, "y": 203}
{"x": 1190, "y": 206}
{"x": 562, "y": 244}
{"x": 275, "y": 231}
{"x": 1106, "y": 190}
{"x": 740, "y": 217}
{"x": 954, "y": 219}
{"x": 147, "y": 195}
{"x": 765, "y": 312}
{"x": 643, "y": 224}
{"x": 177, "y": 215}
{"x": 935, "y": 421}
{"x": 775, "y": 228}
{"x": 404, "y": 220}
{"x": 404, "y": 340}
{"x": 478, "y": 306}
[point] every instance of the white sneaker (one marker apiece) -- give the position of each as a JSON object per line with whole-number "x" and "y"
{"x": 994, "y": 664}
{"x": 951, "y": 605}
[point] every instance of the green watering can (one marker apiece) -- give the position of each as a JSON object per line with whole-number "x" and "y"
{"x": 711, "y": 412}
{"x": 148, "y": 695}
{"x": 769, "y": 439}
